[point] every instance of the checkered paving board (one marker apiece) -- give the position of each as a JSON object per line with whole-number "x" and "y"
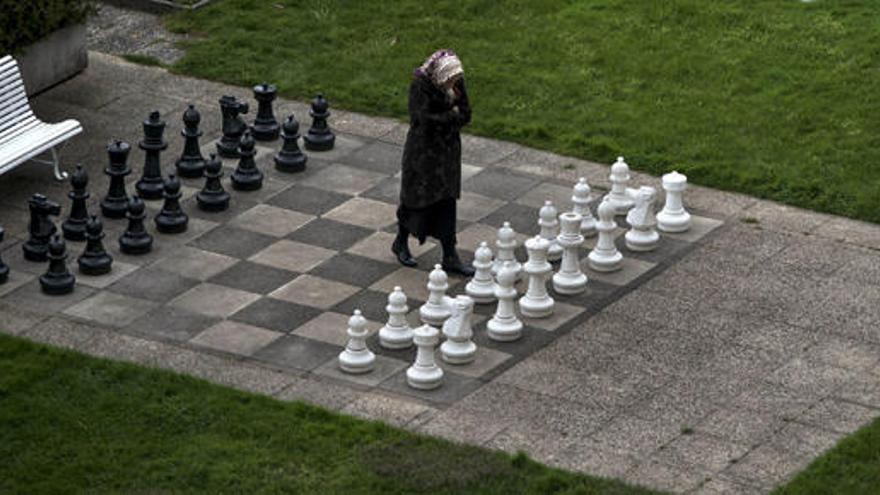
{"x": 275, "y": 278}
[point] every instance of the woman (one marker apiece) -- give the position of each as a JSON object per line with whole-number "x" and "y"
{"x": 431, "y": 178}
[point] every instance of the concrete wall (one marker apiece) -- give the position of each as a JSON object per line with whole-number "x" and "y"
{"x": 58, "y": 57}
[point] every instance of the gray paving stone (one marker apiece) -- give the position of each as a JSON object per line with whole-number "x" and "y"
{"x": 270, "y": 220}
{"x": 378, "y": 407}
{"x": 109, "y": 309}
{"x": 365, "y": 213}
{"x": 233, "y": 242}
{"x": 15, "y": 320}
{"x": 63, "y": 332}
{"x": 709, "y": 453}
{"x": 235, "y": 338}
{"x": 227, "y": 372}
{"x": 292, "y": 256}
{"x": 769, "y": 464}
{"x": 741, "y": 426}
{"x": 30, "y": 297}
{"x": 771, "y": 399}
{"x": 523, "y": 219}
{"x": 484, "y": 151}
{"x": 804, "y": 440}
{"x": 253, "y": 277}
{"x": 850, "y": 231}
{"x": 274, "y": 314}
{"x": 314, "y": 291}
{"x": 357, "y": 124}
{"x": 838, "y": 416}
{"x": 15, "y": 279}
{"x": 784, "y": 218}
{"x": 344, "y": 145}
{"x": 213, "y": 300}
{"x": 463, "y": 427}
{"x": 330, "y": 234}
{"x": 297, "y": 353}
{"x": 320, "y": 392}
{"x": 629, "y": 435}
{"x": 719, "y": 485}
{"x": 170, "y": 323}
{"x": 380, "y": 157}
{"x": 353, "y": 270}
{"x": 308, "y": 199}
{"x": 344, "y": 179}
{"x": 666, "y": 477}
{"x": 384, "y": 368}
{"x": 499, "y": 184}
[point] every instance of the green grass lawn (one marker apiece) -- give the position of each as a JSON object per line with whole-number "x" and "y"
{"x": 775, "y": 98}
{"x": 72, "y": 424}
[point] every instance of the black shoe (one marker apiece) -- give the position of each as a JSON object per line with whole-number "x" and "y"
{"x": 453, "y": 264}
{"x": 401, "y": 250}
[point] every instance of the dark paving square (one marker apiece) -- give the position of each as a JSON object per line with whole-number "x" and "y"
{"x": 532, "y": 339}
{"x": 30, "y": 297}
{"x": 153, "y": 283}
{"x": 170, "y": 323}
{"x": 407, "y": 355}
{"x": 454, "y": 388}
{"x": 500, "y": 184}
{"x": 371, "y": 303}
{"x": 387, "y": 191}
{"x": 237, "y": 205}
{"x": 274, "y": 314}
{"x": 329, "y": 234}
{"x": 666, "y": 249}
{"x": 231, "y": 241}
{"x": 523, "y": 219}
{"x": 377, "y": 157}
{"x": 297, "y": 353}
{"x": 353, "y": 270}
{"x": 595, "y": 297}
{"x": 308, "y": 199}
{"x": 253, "y": 277}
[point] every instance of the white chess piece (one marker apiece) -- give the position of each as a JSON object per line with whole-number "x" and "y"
{"x": 504, "y": 325}
{"x": 642, "y": 235}
{"x": 458, "y": 347}
{"x": 619, "y": 196}
{"x": 435, "y": 310}
{"x": 550, "y": 229}
{"x": 396, "y": 334}
{"x": 424, "y": 374}
{"x": 356, "y": 357}
{"x": 673, "y": 217}
{"x": 504, "y": 250}
{"x": 481, "y": 288}
{"x": 570, "y": 279}
{"x": 605, "y": 257}
{"x": 537, "y": 303}
{"x": 582, "y": 199}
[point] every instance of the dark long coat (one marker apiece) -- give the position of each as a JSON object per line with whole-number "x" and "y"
{"x": 432, "y": 154}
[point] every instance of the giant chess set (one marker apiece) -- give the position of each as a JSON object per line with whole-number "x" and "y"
{"x": 297, "y": 263}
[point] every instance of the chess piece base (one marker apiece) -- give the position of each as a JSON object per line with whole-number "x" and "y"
{"x": 504, "y": 330}
{"x": 136, "y": 245}
{"x": 433, "y": 315}
{"x": 266, "y": 131}
{"x": 605, "y": 263}
{"x": 481, "y": 294}
{"x": 458, "y": 352}
{"x": 150, "y": 188}
{"x": 356, "y": 362}
{"x": 94, "y": 266}
{"x": 57, "y": 286}
{"x": 213, "y": 202}
{"x": 114, "y": 208}
{"x": 673, "y": 222}
{"x": 537, "y": 308}
{"x": 568, "y": 285}
{"x": 228, "y": 148}
{"x": 319, "y": 142}
{"x": 554, "y": 253}
{"x": 171, "y": 225}
{"x": 35, "y": 252}
{"x": 290, "y": 164}
{"x": 190, "y": 169}
{"x": 247, "y": 182}
{"x": 74, "y": 230}
{"x": 395, "y": 339}
{"x": 424, "y": 378}
{"x": 642, "y": 241}
{"x": 588, "y": 227}
{"x": 4, "y": 273}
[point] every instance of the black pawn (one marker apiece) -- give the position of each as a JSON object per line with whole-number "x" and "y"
{"x": 265, "y": 126}
{"x": 74, "y": 227}
{"x": 290, "y": 158}
{"x": 191, "y": 162}
{"x": 57, "y": 280}
{"x": 40, "y": 228}
{"x": 319, "y": 137}
{"x": 172, "y": 219}
{"x": 246, "y": 176}
{"x": 4, "y": 268}
{"x": 94, "y": 260}
{"x": 115, "y": 204}
{"x": 233, "y": 126}
{"x": 136, "y": 239}
{"x": 213, "y": 197}
{"x": 150, "y": 185}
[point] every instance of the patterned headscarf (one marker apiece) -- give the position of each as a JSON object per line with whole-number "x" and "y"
{"x": 440, "y": 67}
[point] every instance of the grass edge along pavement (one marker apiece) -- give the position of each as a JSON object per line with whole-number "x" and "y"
{"x": 773, "y": 99}
{"x": 71, "y": 422}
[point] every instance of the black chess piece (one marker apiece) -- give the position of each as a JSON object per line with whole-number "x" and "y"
{"x": 213, "y": 197}
{"x": 191, "y": 163}
{"x": 4, "y": 268}
{"x": 171, "y": 219}
{"x": 115, "y": 204}
{"x": 265, "y": 126}
{"x": 233, "y": 126}
{"x": 290, "y": 158}
{"x": 57, "y": 280}
{"x": 319, "y": 137}
{"x": 95, "y": 260}
{"x": 36, "y": 248}
{"x": 136, "y": 239}
{"x": 150, "y": 185}
{"x": 74, "y": 227}
{"x": 246, "y": 176}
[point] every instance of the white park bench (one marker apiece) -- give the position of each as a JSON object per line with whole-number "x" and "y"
{"x": 22, "y": 135}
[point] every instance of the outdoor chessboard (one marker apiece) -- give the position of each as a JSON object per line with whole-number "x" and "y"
{"x": 275, "y": 278}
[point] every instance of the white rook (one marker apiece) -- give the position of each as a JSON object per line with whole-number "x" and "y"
{"x": 570, "y": 279}
{"x": 424, "y": 374}
{"x": 356, "y": 357}
{"x": 673, "y": 217}
{"x": 537, "y": 303}
{"x": 396, "y": 334}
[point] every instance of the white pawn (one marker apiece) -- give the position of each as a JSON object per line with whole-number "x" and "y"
{"x": 458, "y": 347}
{"x": 504, "y": 250}
{"x": 481, "y": 288}
{"x": 581, "y": 199}
{"x": 605, "y": 257}
{"x": 424, "y": 374}
{"x": 504, "y": 325}
{"x": 435, "y": 310}
{"x": 537, "y": 303}
{"x": 550, "y": 229}
{"x": 356, "y": 357}
{"x": 396, "y": 334}
{"x": 642, "y": 236}
{"x": 570, "y": 279}
{"x": 673, "y": 217}
{"x": 619, "y": 195}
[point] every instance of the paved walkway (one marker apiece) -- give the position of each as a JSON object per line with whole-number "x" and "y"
{"x": 723, "y": 367}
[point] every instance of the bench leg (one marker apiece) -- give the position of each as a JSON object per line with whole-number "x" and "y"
{"x": 56, "y": 164}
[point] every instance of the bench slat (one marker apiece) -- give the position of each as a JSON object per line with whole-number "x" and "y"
{"x": 14, "y": 114}
{"x": 12, "y": 93}
{"x": 26, "y": 126}
{"x": 30, "y": 145}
